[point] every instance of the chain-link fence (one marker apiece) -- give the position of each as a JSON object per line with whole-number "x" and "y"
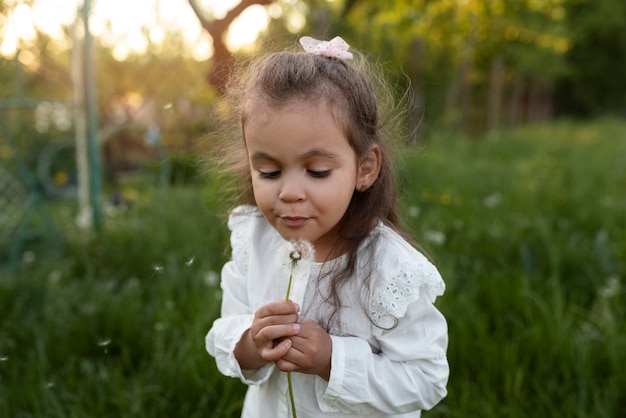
{"x": 36, "y": 164}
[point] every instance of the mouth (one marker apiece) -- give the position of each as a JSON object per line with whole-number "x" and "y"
{"x": 293, "y": 221}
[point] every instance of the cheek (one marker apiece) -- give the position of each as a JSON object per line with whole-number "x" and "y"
{"x": 262, "y": 194}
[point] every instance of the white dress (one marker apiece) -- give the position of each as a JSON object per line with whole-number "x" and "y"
{"x": 379, "y": 371}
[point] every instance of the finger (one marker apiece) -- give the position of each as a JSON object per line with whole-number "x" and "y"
{"x": 278, "y": 308}
{"x": 260, "y": 323}
{"x": 274, "y": 332}
{"x": 277, "y": 352}
{"x": 298, "y": 345}
{"x": 297, "y": 356}
{"x": 286, "y": 366}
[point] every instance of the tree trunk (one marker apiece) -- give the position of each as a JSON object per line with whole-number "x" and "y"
{"x": 222, "y": 58}
{"x": 417, "y": 105}
{"x": 516, "y": 99}
{"x": 495, "y": 96}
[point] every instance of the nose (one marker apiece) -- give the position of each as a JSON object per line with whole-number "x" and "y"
{"x": 291, "y": 189}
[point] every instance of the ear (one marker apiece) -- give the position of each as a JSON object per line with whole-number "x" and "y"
{"x": 369, "y": 168}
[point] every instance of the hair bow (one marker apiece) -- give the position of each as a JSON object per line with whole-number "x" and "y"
{"x": 335, "y": 48}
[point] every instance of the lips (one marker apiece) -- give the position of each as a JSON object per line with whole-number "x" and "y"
{"x": 294, "y": 221}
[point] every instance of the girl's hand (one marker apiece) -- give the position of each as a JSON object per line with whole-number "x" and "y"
{"x": 266, "y": 340}
{"x": 310, "y": 352}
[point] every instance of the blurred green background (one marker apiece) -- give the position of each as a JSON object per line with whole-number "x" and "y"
{"x": 512, "y": 176}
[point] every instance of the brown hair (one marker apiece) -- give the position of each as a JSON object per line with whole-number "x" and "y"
{"x": 274, "y": 81}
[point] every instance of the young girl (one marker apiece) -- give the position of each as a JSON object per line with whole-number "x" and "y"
{"x": 360, "y": 335}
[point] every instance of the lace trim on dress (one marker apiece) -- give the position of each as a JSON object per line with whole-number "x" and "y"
{"x": 239, "y": 223}
{"x": 398, "y": 290}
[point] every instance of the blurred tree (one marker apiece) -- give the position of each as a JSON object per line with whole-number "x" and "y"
{"x": 222, "y": 57}
{"x": 595, "y": 83}
{"x": 469, "y": 65}
{"x": 160, "y": 89}
{"x": 467, "y": 60}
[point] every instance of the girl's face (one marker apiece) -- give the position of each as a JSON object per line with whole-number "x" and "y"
{"x": 304, "y": 172}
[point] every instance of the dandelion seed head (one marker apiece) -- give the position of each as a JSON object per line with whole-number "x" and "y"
{"x": 302, "y": 250}
{"x": 295, "y": 256}
{"x": 292, "y": 252}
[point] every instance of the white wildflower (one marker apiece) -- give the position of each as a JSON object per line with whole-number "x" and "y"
{"x": 28, "y": 257}
{"x": 492, "y": 200}
{"x": 211, "y": 278}
{"x": 55, "y": 276}
{"x": 436, "y": 237}
{"x": 611, "y": 288}
{"x": 414, "y": 211}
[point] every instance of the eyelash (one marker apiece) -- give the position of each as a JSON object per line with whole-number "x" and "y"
{"x": 269, "y": 175}
{"x": 319, "y": 174}
{"x": 313, "y": 173}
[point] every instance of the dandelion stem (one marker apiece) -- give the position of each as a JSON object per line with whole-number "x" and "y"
{"x": 291, "y": 398}
{"x": 289, "y": 286}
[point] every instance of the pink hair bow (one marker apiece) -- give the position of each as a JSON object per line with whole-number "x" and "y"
{"x": 335, "y": 48}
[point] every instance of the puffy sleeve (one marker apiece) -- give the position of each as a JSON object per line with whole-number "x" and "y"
{"x": 407, "y": 281}
{"x": 236, "y": 312}
{"x": 403, "y": 367}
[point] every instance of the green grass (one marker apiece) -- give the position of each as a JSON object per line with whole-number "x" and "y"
{"x": 529, "y": 232}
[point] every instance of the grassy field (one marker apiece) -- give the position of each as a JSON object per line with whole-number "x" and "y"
{"x": 529, "y": 232}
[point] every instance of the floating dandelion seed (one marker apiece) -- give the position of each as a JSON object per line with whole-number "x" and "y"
{"x": 50, "y": 385}
{"x": 104, "y": 343}
{"x": 157, "y": 268}
{"x": 190, "y": 261}
{"x": 4, "y": 358}
{"x": 168, "y": 106}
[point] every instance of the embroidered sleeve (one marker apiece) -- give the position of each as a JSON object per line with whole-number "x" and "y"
{"x": 239, "y": 223}
{"x": 405, "y": 284}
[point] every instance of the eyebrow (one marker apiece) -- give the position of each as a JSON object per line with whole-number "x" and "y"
{"x": 260, "y": 155}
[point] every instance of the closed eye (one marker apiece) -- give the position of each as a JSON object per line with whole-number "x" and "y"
{"x": 319, "y": 174}
{"x": 269, "y": 174}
